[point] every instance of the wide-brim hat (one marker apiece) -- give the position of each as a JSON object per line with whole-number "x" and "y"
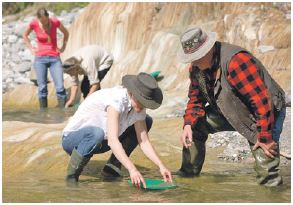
{"x": 145, "y": 89}
{"x": 196, "y": 43}
{"x": 70, "y": 63}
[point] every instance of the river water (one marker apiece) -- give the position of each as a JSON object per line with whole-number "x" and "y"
{"x": 30, "y": 175}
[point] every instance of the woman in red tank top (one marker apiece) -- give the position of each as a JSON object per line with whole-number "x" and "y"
{"x": 47, "y": 54}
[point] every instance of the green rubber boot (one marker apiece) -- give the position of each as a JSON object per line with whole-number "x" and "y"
{"x": 75, "y": 167}
{"x": 192, "y": 159}
{"x": 267, "y": 169}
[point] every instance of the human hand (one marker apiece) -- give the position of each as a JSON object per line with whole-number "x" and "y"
{"x": 269, "y": 148}
{"x": 166, "y": 174}
{"x": 136, "y": 178}
{"x": 61, "y": 50}
{"x": 186, "y": 136}
{"x": 68, "y": 104}
{"x": 33, "y": 51}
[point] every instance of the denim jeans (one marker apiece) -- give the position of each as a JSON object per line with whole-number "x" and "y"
{"x": 41, "y": 65}
{"x": 90, "y": 140}
{"x": 85, "y": 140}
{"x": 278, "y": 127}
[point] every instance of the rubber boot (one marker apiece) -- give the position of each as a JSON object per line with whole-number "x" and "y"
{"x": 61, "y": 103}
{"x": 192, "y": 159}
{"x": 75, "y": 167}
{"x": 43, "y": 103}
{"x": 113, "y": 166}
{"x": 267, "y": 169}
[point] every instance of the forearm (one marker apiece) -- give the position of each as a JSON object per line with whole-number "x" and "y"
{"x": 194, "y": 108}
{"x": 73, "y": 92}
{"x": 144, "y": 142}
{"x": 27, "y": 42}
{"x": 65, "y": 39}
{"x": 120, "y": 154}
{"x": 65, "y": 36}
{"x": 149, "y": 151}
{"x": 94, "y": 88}
{"x": 113, "y": 142}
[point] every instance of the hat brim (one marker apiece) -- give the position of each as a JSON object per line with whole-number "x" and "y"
{"x": 188, "y": 58}
{"x": 129, "y": 82}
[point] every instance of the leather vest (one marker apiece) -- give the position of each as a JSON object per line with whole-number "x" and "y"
{"x": 230, "y": 105}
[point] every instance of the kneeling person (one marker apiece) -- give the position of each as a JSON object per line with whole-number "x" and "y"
{"x": 115, "y": 119}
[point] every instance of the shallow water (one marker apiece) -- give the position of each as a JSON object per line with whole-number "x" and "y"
{"x": 42, "y": 180}
{"x": 48, "y": 116}
{"x": 211, "y": 186}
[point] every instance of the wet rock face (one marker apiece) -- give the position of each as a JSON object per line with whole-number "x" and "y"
{"x": 145, "y": 37}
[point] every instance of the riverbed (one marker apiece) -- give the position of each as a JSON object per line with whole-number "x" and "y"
{"x": 34, "y": 167}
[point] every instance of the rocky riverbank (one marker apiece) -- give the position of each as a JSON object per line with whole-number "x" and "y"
{"x": 17, "y": 60}
{"x": 236, "y": 147}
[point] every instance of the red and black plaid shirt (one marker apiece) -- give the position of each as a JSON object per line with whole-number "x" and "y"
{"x": 245, "y": 79}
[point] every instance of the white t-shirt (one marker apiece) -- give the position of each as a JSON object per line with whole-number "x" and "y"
{"x": 94, "y": 59}
{"x": 93, "y": 111}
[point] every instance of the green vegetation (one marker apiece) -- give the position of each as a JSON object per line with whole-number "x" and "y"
{"x": 67, "y": 6}
{"x": 13, "y": 7}
{"x": 9, "y": 8}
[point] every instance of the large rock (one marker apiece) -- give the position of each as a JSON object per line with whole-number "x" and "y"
{"x": 145, "y": 37}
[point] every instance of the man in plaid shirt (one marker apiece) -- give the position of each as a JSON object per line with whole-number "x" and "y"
{"x": 230, "y": 90}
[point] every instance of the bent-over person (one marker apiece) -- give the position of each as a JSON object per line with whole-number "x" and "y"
{"x": 230, "y": 89}
{"x": 92, "y": 61}
{"x": 114, "y": 119}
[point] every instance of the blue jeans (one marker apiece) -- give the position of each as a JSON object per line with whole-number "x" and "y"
{"x": 278, "y": 126}
{"x": 90, "y": 140}
{"x": 85, "y": 140}
{"x": 41, "y": 65}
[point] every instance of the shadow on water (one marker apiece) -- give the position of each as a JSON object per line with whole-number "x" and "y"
{"x": 48, "y": 116}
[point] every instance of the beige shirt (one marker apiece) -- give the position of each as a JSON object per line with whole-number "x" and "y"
{"x": 94, "y": 59}
{"x": 93, "y": 111}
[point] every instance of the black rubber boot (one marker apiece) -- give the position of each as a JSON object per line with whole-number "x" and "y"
{"x": 75, "y": 167}
{"x": 192, "y": 159}
{"x": 113, "y": 166}
{"x": 61, "y": 103}
{"x": 43, "y": 103}
{"x": 267, "y": 169}
{"x": 129, "y": 143}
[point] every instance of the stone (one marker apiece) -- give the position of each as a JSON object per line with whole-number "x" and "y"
{"x": 22, "y": 80}
{"x": 63, "y": 13}
{"x": 12, "y": 38}
{"x": 264, "y": 48}
{"x": 20, "y": 28}
{"x": 288, "y": 100}
{"x": 23, "y": 67}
